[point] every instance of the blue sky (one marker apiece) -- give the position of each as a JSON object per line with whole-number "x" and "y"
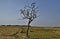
{"x": 49, "y": 11}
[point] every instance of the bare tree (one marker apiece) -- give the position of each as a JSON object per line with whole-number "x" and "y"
{"x": 29, "y": 12}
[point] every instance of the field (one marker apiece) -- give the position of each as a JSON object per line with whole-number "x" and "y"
{"x": 11, "y": 32}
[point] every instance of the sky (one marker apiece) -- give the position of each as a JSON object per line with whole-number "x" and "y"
{"x": 48, "y": 14}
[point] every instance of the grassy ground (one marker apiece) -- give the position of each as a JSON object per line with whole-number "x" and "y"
{"x": 34, "y": 33}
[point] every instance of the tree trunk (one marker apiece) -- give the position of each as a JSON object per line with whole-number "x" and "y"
{"x": 28, "y": 29}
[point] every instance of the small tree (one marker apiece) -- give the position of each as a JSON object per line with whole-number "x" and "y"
{"x": 29, "y": 12}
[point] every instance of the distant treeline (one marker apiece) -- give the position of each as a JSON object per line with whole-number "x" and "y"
{"x": 14, "y": 25}
{"x": 30, "y": 26}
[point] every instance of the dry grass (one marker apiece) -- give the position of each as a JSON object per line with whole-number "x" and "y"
{"x": 34, "y": 33}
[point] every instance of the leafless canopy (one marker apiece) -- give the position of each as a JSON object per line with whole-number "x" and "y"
{"x": 29, "y": 12}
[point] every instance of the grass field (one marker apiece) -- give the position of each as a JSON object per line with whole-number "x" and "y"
{"x": 10, "y": 32}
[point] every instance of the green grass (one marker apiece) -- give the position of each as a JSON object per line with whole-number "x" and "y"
{"x": 34, "y": 32}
